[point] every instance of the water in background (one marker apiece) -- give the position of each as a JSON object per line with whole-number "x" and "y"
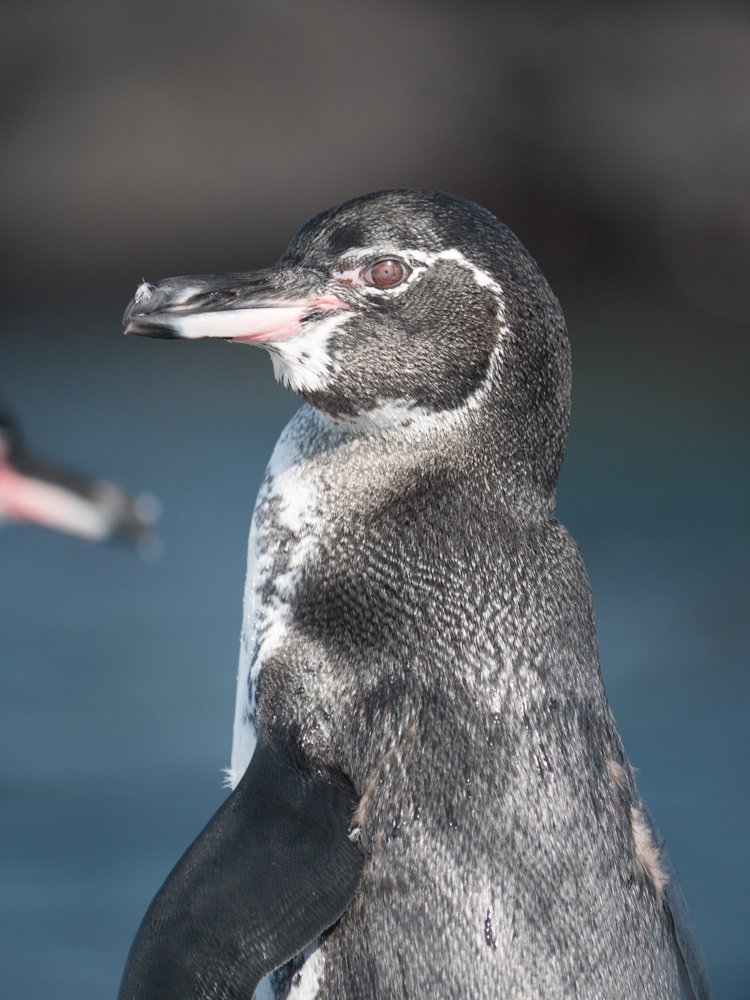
{"x": 117, "y": 676}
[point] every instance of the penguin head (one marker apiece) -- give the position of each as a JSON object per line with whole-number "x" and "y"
{"x": 392, "y": 307}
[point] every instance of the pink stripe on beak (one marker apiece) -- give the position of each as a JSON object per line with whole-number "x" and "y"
{"x": 256, "y": 324}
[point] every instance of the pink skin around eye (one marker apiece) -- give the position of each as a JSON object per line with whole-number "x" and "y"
{"x": 328, "y": 302}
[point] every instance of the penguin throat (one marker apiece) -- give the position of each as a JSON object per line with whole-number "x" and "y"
{"x": 303, "y": 363}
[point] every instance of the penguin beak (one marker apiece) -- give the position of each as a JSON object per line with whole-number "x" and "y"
{"x": 249, "y": 307}
{"x": 34, "y": 491}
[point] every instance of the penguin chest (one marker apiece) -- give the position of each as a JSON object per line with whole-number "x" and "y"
{"x": 288, "y": 529}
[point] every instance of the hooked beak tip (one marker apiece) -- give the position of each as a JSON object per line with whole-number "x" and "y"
{"x": 147, "y": 328}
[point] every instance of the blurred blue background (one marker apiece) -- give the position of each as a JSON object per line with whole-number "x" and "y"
{"x": 146, "y": 140}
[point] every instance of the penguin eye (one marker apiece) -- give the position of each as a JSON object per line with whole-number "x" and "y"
{"x": 386, "y": 273}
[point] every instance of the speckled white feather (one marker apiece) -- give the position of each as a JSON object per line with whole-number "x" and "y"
{"x": 290, "y": 488}
{"x": 304, "y": 363}
{"x": 142, "y": 292}
{"x": 306, "y": 982}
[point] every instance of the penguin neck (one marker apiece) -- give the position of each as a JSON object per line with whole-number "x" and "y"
{"x": 397, "y": 444}
{"x": 504, "y": 442}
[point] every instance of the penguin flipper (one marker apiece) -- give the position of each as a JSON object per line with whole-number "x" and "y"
{"x": 273, "y": 868}
{"x": 691, "y": 964}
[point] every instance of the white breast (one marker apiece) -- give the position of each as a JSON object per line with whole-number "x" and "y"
{"x": 284, "y": 536}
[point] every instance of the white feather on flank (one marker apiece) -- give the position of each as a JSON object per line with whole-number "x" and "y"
{"x": 647, "y": 852}
{"x": 306, "y": 982}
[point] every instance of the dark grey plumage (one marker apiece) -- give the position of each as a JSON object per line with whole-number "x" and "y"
{"x": 418, "y": 624}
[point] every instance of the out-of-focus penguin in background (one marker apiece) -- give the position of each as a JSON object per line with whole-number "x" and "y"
{"x": 34, "y": 490}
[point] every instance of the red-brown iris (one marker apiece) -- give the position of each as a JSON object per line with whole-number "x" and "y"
{"x": 386, "y": 273}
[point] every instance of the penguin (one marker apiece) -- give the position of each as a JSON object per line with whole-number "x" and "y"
{"x": 430, "y": 795}
{"x": 34, "y": 490}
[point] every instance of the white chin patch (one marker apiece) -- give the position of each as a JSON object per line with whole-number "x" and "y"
{"x": 303, "y": 363}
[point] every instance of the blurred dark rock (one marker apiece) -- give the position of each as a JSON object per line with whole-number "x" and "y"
{"x": 182, "y": 137}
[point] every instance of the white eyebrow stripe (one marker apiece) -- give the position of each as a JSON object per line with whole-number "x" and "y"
{"x": 372, "y": 251}
{"x": 419, "y": 260}
{"x": 482, "y": 278}
{"x": 352, "y": 275}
